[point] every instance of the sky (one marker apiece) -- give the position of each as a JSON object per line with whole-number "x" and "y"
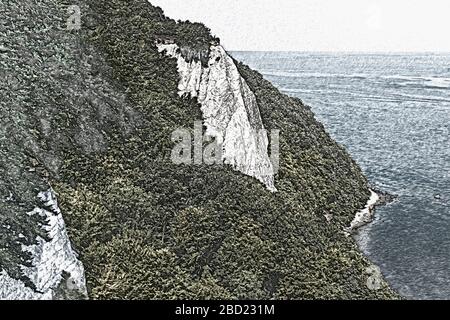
{"x": 321, "y": 25}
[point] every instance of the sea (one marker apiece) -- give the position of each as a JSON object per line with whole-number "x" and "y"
{"x": 392, "y": 113}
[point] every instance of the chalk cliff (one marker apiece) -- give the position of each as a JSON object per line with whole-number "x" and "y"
{"x": 54, "y": 263}
{"x": 230, "y": 111}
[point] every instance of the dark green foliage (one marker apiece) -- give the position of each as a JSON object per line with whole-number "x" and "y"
{"x": 148, "y": 229}
{"x": 22, "y": 175}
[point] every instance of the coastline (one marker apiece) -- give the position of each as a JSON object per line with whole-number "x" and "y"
{"x": 366, "y": 215}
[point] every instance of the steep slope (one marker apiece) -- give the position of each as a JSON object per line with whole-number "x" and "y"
{"x": 91, "y": 113}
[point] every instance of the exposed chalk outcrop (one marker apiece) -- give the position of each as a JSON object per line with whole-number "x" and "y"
{"x": 230, "y": 110}
{"x": 52, "y": 260}
{"x": 365, "y": 215}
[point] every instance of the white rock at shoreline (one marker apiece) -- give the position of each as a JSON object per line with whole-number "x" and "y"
{"x": 365, "y": 215}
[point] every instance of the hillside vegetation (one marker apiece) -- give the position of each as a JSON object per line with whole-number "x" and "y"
{"x": 146, "y": 228}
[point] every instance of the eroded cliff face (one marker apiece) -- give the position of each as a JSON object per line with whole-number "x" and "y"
{"x": 56, "y": 271}
{"x": 229, "y": 107}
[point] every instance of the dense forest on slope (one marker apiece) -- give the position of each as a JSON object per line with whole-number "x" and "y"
{"x": 99, "y": 123}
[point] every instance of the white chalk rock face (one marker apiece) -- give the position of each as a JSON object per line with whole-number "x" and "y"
{"x": 365, "y": 215}
{"x": 230, "y": 111}
{"x": 50, "y": 260}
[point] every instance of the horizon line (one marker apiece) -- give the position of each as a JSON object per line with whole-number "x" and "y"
{"x": 343, "y": 51}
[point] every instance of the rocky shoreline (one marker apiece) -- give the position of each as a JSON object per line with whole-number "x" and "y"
{"x": 366, "y": 215}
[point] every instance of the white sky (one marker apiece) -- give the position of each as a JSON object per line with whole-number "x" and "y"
{"x": 321, "y": 25}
